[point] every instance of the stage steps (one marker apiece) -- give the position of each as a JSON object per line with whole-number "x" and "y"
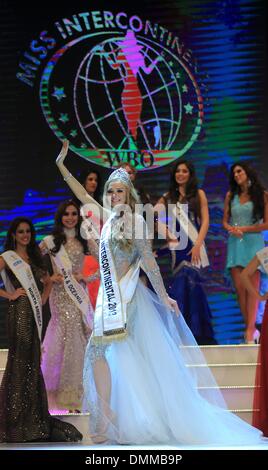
{"x": 233, "y": 367}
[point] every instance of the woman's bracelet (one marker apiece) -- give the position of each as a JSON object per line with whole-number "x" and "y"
{"x": 66, "y": 178}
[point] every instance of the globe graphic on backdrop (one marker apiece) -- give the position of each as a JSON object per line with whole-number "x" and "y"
{"x": 115, "y": 106}
{"x": 100, "y": 87}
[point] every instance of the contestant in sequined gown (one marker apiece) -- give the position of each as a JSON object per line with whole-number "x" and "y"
{"x": 67, "y": 333}
{"x": 24, "y": 412}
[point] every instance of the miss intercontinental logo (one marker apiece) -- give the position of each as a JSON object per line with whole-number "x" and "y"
{"x": 119, "y": 88}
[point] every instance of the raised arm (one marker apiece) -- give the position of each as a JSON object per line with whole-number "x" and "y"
{"x": 76, "y": 187}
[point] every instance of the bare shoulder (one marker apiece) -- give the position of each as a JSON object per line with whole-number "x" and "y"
{"x": 227, "y": 197}
{"x": 201, "y": 192}
{"x": 202, "y": 195}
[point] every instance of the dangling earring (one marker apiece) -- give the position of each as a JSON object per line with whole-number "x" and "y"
{"x": 249, "y": 183}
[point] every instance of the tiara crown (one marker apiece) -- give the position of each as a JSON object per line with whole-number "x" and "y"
{"x": 120, "y": 175}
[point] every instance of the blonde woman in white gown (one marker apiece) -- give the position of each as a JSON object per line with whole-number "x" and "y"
{"x": 140, "y": 382}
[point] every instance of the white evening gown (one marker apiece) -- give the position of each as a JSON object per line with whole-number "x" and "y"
{"x": 157, "y": 395}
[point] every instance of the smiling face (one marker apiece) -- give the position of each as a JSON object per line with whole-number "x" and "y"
{"x": 70, "y": 217}
{"x": 182, "y": 174}
{"x": 91, "y": 183}
{"x": 117, "y": 194}
{"x": 23, "y": 234}
{"x": 240, "y": 175}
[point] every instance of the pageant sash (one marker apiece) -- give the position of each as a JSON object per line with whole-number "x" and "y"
{"x": 110, "y": 318}
{"x": 189, "y": 228}
{"x": 24, "y": 274}
{"x": 72, "y": 287}
{"x": 262, "y": 256}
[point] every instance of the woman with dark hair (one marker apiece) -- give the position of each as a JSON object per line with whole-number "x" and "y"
{"x": 92, "y": 184}
{"x": 245, "y": 217}
{"x": 89, "y": 184}
{"x": 91, "y": 181}
{"x": 24, "y": 415}
{"x": 71, "y": 312}
{"x": 188, "y": 209}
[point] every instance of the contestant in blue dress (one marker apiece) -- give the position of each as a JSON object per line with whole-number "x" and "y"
{"x": 187, "y": 284}
{"x": 245, "y": 217}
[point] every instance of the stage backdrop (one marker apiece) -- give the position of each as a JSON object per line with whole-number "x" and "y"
{"x": 197, "y": 72}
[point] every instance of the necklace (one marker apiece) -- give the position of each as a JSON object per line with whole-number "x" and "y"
{"x": 70, "y": 232}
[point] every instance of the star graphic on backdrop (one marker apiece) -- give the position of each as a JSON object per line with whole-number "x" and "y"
{"x": 185, "y": 88}
{"x": 83, "y": 145}
{"x": 170, "y": 63}
{"x": 178, "y": 75}
{"x": 73, "y": 133}
{"x": 59, "y": 93}
{"x": 64, "y": 117}
{"x": 188, "y": 108}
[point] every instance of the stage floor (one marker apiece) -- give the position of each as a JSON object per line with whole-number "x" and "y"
{"x": 86, "y": 444}
{"x": 234, "y": 369}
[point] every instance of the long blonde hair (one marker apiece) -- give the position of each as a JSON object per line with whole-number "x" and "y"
{"x": 122, "y": 228}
